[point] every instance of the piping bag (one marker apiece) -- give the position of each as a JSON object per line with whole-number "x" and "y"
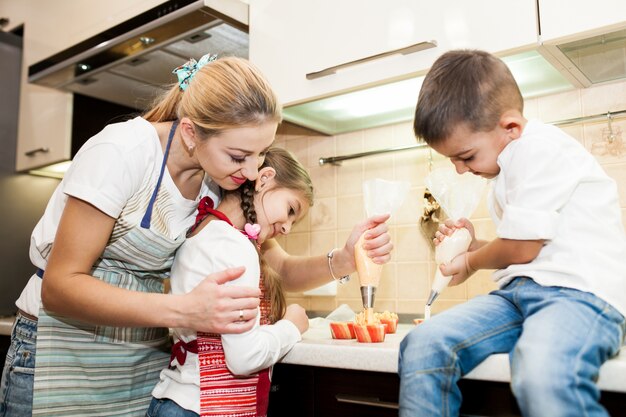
{"x": 380, "y": 197}
{"x": 458, "y": 196}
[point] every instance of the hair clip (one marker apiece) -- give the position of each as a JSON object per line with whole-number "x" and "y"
{"x": 186, "y": 71}
{"x": 252, "y": 230}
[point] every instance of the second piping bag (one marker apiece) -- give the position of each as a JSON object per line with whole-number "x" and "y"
{"x": 458, "y": 196}
{"x": 380, "y": 197}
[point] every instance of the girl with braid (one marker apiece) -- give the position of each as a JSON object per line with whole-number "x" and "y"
{"x": 228, "y": 375}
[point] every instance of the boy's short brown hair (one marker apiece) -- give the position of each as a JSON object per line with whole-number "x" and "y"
{"x": 464, "y": 86}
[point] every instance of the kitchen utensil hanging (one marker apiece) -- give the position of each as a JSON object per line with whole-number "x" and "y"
{"x": 610, "y": 142}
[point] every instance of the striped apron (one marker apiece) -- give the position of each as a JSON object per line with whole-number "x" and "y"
{"x": 87, "y": 370}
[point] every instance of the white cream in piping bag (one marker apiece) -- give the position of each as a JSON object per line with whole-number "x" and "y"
{"x": 445, "y": 251}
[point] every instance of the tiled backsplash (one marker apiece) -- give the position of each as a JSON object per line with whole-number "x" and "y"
{"x": 405, "y": 283}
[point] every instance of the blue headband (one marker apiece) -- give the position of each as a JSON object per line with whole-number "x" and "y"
{"x": 186, "y": 71}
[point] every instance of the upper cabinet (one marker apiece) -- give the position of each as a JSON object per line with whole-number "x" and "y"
{"x": 569, "y": 20}
{"x": 586, "y": 42}
{"x": 45, "y": 115}
{"x": 316, "y": 49}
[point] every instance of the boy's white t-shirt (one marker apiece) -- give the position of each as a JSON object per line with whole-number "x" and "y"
{"x": 550, "y": 187}
{"x": 107, "y": 172}
{"x": 216, "y": 247}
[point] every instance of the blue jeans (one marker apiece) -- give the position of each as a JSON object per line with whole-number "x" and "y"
{"x": 167, "y": 408}
{"x": 557, "y": 339}
{"x": 19, "y": 370}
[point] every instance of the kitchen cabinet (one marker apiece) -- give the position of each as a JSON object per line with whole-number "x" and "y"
{"x": 292, "y": 38}
{"x": 45, "y": 115}
{"x": 310, "y": 391}
{"x": 579, "y": 18}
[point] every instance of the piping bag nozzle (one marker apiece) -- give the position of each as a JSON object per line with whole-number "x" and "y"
{"x": 368, "y": 292}
{"x": 432, "y": 297}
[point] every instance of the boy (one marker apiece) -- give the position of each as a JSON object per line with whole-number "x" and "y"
{"x": 559, "y": 255}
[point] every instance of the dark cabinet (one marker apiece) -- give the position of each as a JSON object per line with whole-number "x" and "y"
{"x": 307, "y": 391}
{"x": 313, "y": 391}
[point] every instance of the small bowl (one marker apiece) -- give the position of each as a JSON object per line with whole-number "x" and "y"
{"x": 370, "y": 333}
{"x": 342, "y": 330}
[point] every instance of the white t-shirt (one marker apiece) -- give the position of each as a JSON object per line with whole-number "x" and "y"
{"x": 551, "y": 188}
{"x": 216, "y": 247}
{"x": 120, "y": 164}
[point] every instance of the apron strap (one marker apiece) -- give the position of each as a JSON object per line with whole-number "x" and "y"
{"x": 145, "y": 222}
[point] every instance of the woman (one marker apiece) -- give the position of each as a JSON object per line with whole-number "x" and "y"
{"x": 108, "y": 237}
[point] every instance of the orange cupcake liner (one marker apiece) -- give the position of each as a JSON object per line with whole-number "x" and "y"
{"x": 370, "y": 333}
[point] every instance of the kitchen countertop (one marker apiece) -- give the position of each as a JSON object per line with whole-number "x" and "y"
{"x": 317, "y": 348}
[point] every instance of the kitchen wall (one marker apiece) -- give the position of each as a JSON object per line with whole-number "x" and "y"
{"x": 406, "y": 278}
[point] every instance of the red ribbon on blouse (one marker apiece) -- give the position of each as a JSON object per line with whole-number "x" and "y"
{"x": 180, "y": 349}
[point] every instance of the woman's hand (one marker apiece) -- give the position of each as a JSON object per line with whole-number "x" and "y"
{"x": 377, "y": 240}
{"x": 297, "y": 315}
{"x": 216, "y": 308}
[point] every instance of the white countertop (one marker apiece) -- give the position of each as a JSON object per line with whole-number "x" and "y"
{"x": 319, "y": 349}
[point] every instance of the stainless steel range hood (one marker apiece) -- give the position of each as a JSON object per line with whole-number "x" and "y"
{"x": 592, "y": 60}
{"x": 129, "y": 63}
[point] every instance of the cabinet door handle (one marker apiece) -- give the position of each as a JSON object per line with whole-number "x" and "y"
{"x": 36, "y": 151}
{"x": 404, "y": 51}
{"x": 369, "y": 401}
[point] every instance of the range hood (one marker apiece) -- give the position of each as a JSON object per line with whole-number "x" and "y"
{"x": 590, "y": 61}
{"x": 128, "y": 64}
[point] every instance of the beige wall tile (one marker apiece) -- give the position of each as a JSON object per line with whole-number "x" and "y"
{"x": 402, "y": 134}
{"x": 350, "y": 210}
{"x": 410, "y": 212}
{"x": 560, "y": 106}
{"x": 324, "y": 180}
{"x": 388, "y": 284}
{"x": 378, "y": 167}
{"x": 603, "y": 98}
{"x": 320, "y": 147}
{"x": 414, "y": 307}
{"x": 350, "y": 178}
{"x": 299, "y": 146}
{"x": 531, "y": 108}
{"x": 297, "y": 244}
{"x": 354, "y": 303}
{"x": 411, "y": 166}
{"x": 322, "y": 303}
{"x": 413, "y": 280}
{"x": 386, "y": 305}
{"x": 324, "y": 214}
{"x": 294, "y": 299}
{"x": 410, "y": 245}
{"x": 349, "y": 143}
{"x": 377, "y": 138}
{"x": 304, "y": 225}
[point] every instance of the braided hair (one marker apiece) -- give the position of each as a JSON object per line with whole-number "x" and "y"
{"x": 290, "y": 174}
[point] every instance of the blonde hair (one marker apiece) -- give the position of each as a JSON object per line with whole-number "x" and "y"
{"x": 292, "y": 175}
{"x": 226, "y": 93}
